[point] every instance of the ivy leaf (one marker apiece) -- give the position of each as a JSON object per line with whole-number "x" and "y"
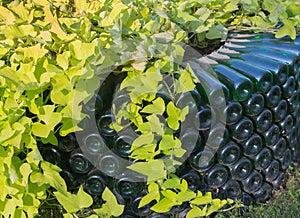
{"x": 216, "y": 205}
{"x": 175, "y": 115}
{"x": 153, "y": 194}
{"x": 185, "y": 82}
{"x": 288, "y": 29}
{"x": 111, "y": 206}
{"x": 164, "y": 205}
{"x": 202, "y": 200}
{"x": 157, "y": 107}
{"x": 71, "y": 202}
{"x": 143, "y": 139}
{"x": 154, "y": 169}
{"x": 172, "y": 183}
{"x": 196, "y": 212}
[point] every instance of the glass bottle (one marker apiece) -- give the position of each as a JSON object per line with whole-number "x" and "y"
{"x": 229, "y": 153}
{"x": 278, "y": 181}
{"x": 232, "y": 189}
{"x": 279, "y": 70}
{"x": 191, "y": 140}
{"x": 261, "y": 78}
{"x": 202, "y": 160}
{"x": 254, "y": 105}
{"x": 104, "y": 125}
{"x": 293, "y": 101}
{"x": 94, "y": 183}
{"x": 264, "y": 193}
{"x": 252, "y": 182}
{"x": 273, "y": 97}
{"x": 262, "y": 121}
{"x": 271, "y": 135}
{"x": 233, "y": 112}
{"x": 241, "y": 169}
{"x": 240, "y": 87}
{"x": 252, "y": 146}
{"x": 67, "y": 143}
{"x": 289, "y": 87}
{"x": 192, "y": 99}
{"x": 217, "y": 176}
{"x": 217, "y": 136}
{"x": 288, "y": 58}
{"x": 51, "y": 154}
{"x": 280, "y": 111}
{"x": 122, "y": 145}
{"x": 94, "y": 106}
{"x": 279, "y": 147}
{"x": 142, "y": 211}
{"x": 272, "y": 171}
{"x": 287, "y": 124}
{"x": 263, "y": 159}
{"x": 79, "y": 162}
{"x": 94, "y": 144}
{"x": 242, "y": 130}
{"x": 205, "y": 118}
{"x": 286, "y": 159}
{"x": 127, "y": 187}
{"x": 212, "y": 91}
{"x": 193, "y": 178}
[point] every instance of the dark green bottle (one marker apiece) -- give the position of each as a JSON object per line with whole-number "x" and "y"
{"x": 242, "y": 130}
{"x": 232, "y": 189}
{"x": 104, "y": 125}
{"x": 280, "y": 111}
{"x": 192, "y": 99}
{"x": 79, "y": 162}
{"x": 240, "y": 87}
{"x": 193, "y": 178}
{"x": 271, "y": 135}
{"x": 281, "y": 46}
{"x": 233, "y": 112}
{"x": 279, "y": 70}
{"x": 217, "y": 176}
{"x": 95, "y": 183}
{"x": 286, "y": 159}
{"x": 279, "y": 147}
{"x": 205, "y": 118}
{"x": 293, "y": 101}
{"x": 288, "y": 87}
{"x": 67, "y": 143}
{"x": 263, "y": 159}
{"x": 273, "y": 97}
{"x": 191, "y": 140}
{"x": 290, "y": 59}
{"x": 94, "y": 106}
{"x": 287, "y": 124}
{"x": 127, "y": 187}
{"x": 253, "y": 182}
{"x": 262, "y": 121}
{"x": 202, "y": 160}
{"x": 229, "y": 153}
{"x": 241, "y": 169}
{"x": 264, "y": 193}
{"x": 254, "y": 105}
{"x": 122, "y": 145}
{"x": 252, "y": 146}
{"x": 212, "y": 91}
{"x": 51, "y": 154}
{"x": 272, "y": 171}
{"x": 261, "y": 78}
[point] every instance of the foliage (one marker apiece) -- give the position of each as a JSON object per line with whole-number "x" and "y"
{"x": 54, "y": 55}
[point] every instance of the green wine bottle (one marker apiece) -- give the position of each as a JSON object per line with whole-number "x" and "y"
{"x": 254, "y": 105}
{"x": 261, "y": 78}
{"x": 240, "y": 87}
{"x": 285, "y": 57}
{"x": 279, "y": 70}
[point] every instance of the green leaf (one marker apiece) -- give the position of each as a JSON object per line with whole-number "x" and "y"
{"x": 111, "y": 206}
{"x": 143, "y": 139}
{"x": 184, "y": 196}
{"x": 202, "y": 200}
{"x": 173, "y": 183}
{"x": 164, "y": 205}
{"x": 72, "y": 203}
{"x": 157, "y": 107}
{"x": 216, "y": 205}
{"x": 196, "y": 212}
{"x": 153, "y": 194}
{"x": 288, "y": 29}
{"x": 154, "y": 169}
{"x": 175, "y": 115}
{"x": 185, "y": 82}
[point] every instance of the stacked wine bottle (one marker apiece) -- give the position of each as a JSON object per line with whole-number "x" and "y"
{"x": 255, "y": 86}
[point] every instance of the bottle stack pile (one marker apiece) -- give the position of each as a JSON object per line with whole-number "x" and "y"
{"x": 244, "y": 156}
